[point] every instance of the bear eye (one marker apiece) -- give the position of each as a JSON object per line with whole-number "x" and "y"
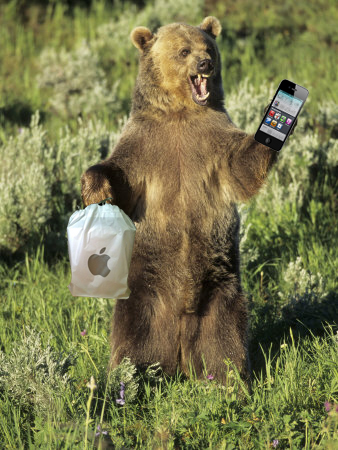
{"x": 185, "y": 52}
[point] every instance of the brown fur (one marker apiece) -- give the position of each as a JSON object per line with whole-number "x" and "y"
{"x": 177, "y": 171}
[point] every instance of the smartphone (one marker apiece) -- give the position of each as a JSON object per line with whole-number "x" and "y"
{"x": 281, "y": 114}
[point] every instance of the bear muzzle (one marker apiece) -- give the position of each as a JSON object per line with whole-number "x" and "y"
{"x": 199, "y": 83}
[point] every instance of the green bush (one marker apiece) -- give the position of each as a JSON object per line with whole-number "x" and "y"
{"x": 74, "y": 153}
{"x": 26, "y": 179}
{"x": 40, "y": 182}
{"x": 34, "y": 375}
{"x": 78, "y": 84}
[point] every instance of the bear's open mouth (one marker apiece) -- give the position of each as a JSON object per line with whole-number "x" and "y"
{"x": 199, "y": 88}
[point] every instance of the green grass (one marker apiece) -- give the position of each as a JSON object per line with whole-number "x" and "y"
{"x": 286, "y": 402}
{"x": 289, "y": 244}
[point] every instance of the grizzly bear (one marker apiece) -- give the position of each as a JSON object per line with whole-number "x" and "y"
{"x": 178, "y": 170}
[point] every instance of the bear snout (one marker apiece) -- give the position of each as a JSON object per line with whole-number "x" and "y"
{"x": 205, "y": 66}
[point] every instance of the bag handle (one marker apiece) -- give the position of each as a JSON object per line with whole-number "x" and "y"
{"x": 103, "y": 202}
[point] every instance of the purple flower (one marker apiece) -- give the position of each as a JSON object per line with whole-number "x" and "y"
{"x": 327, "y": 406}
{"x": 275, "y": 443}
{"x": 83, "y": 333}
{"x": 121, "y": 400}
{"x": 336, "y": 408}
{"x": 100, "y": 431}
{"x": 210, "y": 377}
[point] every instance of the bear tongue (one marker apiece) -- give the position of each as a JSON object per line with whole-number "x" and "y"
{"x": 201, "y": 86}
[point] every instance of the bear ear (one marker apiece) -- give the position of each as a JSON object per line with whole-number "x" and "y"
{"x": 140, "y": 37}
{"x": 212, "y": 26}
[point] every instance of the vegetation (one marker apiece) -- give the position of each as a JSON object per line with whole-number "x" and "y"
{"x": 66, "y": 77}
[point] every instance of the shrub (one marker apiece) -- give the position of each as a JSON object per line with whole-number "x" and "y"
{"x": 34, "y": 375}
{"x": 332, "y": 153}
{"x": 40, "y": 182}
{"x": 26, "y": 178}
{"x": 162, "y": 12}
{"x": 75, "y": 153}
{"x": 246, "y": 105}
{"x": 299, "y": 281}
{"x": 77, "y": 82}
{"x": 127, "y": 378}
{"x": 328, "y": 116}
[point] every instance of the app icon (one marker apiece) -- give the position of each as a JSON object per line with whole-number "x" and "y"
{"x": 268, "y": 120}
{"x": 277, "y": 115}
{"x": 276, "y": 102}
{"x": 282, "y": 119}
{"x": 272, "y": 113}
{"x": 288, "y": 121}
{"x": 279, "y": 125}
{"x": 274, "y": 123}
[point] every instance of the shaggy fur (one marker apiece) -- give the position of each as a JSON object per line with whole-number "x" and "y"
{"x": 178, "y": 170}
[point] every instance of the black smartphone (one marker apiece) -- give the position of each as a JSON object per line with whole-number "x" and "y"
{"x": 281, "y": 114}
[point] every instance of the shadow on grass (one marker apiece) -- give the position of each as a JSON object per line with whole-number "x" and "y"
{"x": 306, "y": 315}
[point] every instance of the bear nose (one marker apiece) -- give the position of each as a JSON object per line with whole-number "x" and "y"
{"x": 205, "y": 66}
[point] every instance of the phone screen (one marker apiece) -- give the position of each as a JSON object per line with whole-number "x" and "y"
{"x": 281, "y": 115}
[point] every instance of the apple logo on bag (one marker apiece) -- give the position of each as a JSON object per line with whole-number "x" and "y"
{"x": 97, "y": 264}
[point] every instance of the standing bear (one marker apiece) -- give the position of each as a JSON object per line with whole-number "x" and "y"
{"x": 178, "y": 170}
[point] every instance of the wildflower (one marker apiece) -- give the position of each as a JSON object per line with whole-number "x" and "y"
{"x": 210, "y": 377}
{"x": 275, "y": 443}
{"x": 284, "y": 345}
{"x": 121, "y": 401}
{"x": 100, "y": 431}
{"x": 91, "y": 385}
{"x": 84, "y": 332}
{"x": 327, "y": 406}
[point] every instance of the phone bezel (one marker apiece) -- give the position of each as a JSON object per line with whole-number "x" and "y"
{"x": 290, "y": 88}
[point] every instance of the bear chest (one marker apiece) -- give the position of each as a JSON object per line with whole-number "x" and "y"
{"x": 181, "y": 168}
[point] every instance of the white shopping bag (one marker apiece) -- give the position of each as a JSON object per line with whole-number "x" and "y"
{"x": 100, "y": 245}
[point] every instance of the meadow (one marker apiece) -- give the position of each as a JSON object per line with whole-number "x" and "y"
{"x": 67, "y": 71}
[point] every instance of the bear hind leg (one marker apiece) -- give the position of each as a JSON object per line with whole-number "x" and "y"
{"x": 217, "y": 334}
{"x": 146, "y": 330}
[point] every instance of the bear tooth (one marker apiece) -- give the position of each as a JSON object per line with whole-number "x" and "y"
{"x": 203, "y": 97}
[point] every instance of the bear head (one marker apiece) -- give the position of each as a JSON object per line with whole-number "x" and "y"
{"x": 179, "y": 66}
